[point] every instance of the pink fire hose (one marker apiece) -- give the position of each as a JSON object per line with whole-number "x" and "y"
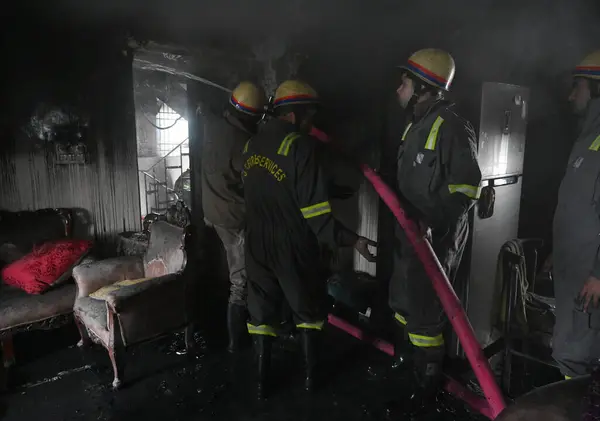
{"x": 450, "y": 302}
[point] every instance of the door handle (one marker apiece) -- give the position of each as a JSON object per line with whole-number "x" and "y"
{"x": 507, "y": 117}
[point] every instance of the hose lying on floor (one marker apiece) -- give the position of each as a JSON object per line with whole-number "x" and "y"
{"x": 450, "y": 302}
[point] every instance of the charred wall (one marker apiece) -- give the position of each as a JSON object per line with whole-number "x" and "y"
{"x": 51, "y": 76}
{"x": 352, "y": 47}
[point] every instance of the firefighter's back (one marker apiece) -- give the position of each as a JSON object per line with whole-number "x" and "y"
{"x": 273, "y": 218}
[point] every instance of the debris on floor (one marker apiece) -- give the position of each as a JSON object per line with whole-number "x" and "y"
{"x": 162, "y": 382}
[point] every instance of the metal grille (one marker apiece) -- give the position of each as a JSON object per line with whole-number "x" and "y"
{"x": 172, "y": 129}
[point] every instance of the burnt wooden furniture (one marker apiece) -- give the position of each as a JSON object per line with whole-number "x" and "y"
{"x": 141, "y": 311}
{"x": 132, "y": 243}
{"x": 526, "y": 315}
{"x": 19, "y": 311}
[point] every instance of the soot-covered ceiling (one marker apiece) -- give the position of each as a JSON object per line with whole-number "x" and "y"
{"x": 352, "y": 45}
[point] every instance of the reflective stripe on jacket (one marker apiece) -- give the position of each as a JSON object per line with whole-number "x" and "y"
{"x": 286, "y": 188}
{"x": 438, "y": 173}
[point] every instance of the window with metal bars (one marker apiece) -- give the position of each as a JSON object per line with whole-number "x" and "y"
{"x": 172, "y": 130}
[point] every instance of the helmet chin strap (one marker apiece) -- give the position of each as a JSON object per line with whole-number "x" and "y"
{"x": 410, "y": 107}
{"x": 418, "y": 90}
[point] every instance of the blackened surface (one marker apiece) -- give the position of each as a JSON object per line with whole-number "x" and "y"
{"x": 207, "y": 265}
{"x": 91, "y": 78}
{"x": 196, "y": 134}
{"x": 210, "y": 385}
{"x": 352, "y": 47}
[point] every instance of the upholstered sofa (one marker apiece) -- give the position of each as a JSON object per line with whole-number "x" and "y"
{"x": 127, "y": 300}
{"x": 20, "y": 311}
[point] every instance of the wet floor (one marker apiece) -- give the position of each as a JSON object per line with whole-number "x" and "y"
{"x": 62, "y": 382}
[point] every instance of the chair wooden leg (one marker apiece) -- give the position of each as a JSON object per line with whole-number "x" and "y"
{"x": 190, "y": 344}
{"x": 117, "y": 360}
{"x": 85, "y": 340}
{"x": 8, "y": 351}
{"x": 116, "y": 350}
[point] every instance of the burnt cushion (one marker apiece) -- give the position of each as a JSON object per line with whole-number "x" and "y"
{"x": 103, "y": 292}
{"x": 165, "y": 252}
{"x": 19, "y": 308}
{"x": 45, "y": 265}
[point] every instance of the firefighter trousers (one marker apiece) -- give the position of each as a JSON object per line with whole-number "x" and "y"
{"x": 233, "y": 243}
{"x": 576, "y": 339}
{"x": 411, "y": 293}
{"x": 280, "y": 273}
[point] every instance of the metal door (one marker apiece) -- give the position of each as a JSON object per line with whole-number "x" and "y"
{"x": 502, "y": 129}
{"x": 501, "y": 151}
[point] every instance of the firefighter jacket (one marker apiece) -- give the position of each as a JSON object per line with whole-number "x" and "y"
{"x": 437, "y": 172}
{"x": 286, "y": 188}
{"x": 577, "y": 218}
{"x": 222, "y": 187}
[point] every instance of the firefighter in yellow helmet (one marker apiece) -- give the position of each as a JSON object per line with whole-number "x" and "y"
{"x": 288, "y": 215}
{"x": 222, "y": 194}
{"x": 438, "y": 180}
{"x": 576, "y": 248}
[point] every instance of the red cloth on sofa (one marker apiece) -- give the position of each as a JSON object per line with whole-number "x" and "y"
{"x": 37, "y": 271}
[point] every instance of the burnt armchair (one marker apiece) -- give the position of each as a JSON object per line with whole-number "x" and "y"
{"x": 124, "y": 301}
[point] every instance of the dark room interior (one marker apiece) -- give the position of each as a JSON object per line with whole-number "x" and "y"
{"x": 102, "y": 139}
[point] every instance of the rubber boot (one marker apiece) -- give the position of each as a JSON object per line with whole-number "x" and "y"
{"x": 428, "y": 370}
{"x": 310, "y": 344}
{"x": 400, "y": 407}
{"x": 262, "y": 347}
{"x": 237, "y": 317}
{"x": 428, "y": 380}
{"x": 403, "y": 349}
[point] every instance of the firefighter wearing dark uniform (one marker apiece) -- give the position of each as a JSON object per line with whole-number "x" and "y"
{"x": 576, "y": 248}
{"x": 288, "y": 214}
{"x": 438, "y": 178}
{"x": 222, "y": 192}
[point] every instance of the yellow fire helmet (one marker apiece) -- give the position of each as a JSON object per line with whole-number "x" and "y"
{"x": 248, "y": 98}
{"x": 434, "y": 67}
{"x": 294, "y": 92}
{"x": 589, "y": 67}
